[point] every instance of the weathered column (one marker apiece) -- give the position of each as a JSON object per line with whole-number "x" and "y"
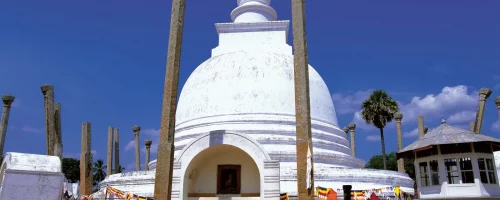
{"x": 148, "y": 153}
{"x": 425, "y": 130}
{"x": 471, "y": 125}
{"x": 86, "y": 175}
{"x": 421, "y": 126}
{"x": 109, "y": 160}
{"x": 137, "y": 130}
{"x": 305, "y": 164}
{"x": 116, "y": 141}
{"x": 48, "y": 97}
{"x": 58, "y": 145}
{"x": 484, "y": 93}
{"x": 399, "y": 132}
{"x": 353, "y": 139}
{"x": 345, "y": 129}
{"x": 7, "y": 102}
{"x": 165, "y": 161}
{"x": 497, "y": 101}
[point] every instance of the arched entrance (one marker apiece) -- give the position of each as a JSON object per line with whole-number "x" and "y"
{"x": 195, "y": 171}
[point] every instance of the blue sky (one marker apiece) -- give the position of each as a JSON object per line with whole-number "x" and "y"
{"x": 106, "y": 60}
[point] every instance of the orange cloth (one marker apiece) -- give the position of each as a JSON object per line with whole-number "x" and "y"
{"x": 332, "y": 195}
{"x": 374, "y": 197}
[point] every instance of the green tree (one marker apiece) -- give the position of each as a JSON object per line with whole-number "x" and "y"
{"x": 71, "y": 169}
{"x": 376, "y": 162}
{"x": 379, "y": 109}
{"x": 99, "y": 171}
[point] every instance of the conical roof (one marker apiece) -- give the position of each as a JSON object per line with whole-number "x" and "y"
{"x": 446, "y": 134}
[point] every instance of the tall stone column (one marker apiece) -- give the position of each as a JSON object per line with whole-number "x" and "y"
{"x": 58, "y": 144}
{"x": 147, "y": 143}
{"x": 497, "y": 101}
{"x": 50, "y": 127}
{"x": 421, "y": 126}
{"x": 353, "y": 139}
{"x": 484, "y": 93}
{"x": 7, "y": 102}
{"x": 116, "y": 141}
{"x": 302, "y": 103}
{"x": 137, "y": 130}
{"x": 471, "y": 125}
{"x": 109, "y": 160}
{"x": 86, "y": 175}
{"x": 399, "y": 132}
{"x": 165, "y": 161}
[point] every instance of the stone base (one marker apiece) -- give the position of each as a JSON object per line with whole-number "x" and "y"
{"x": 30, "y": 176}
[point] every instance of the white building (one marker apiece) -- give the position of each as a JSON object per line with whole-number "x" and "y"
{"x": 235, "y": 122}
{"x": 453, "y": 162}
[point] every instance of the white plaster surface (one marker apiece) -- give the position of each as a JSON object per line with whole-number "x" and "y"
{"x": 28, "y": 176}
{"x": 496, "y": 156}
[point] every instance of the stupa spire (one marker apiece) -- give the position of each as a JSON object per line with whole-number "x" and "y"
{"x": 253, "y": 11}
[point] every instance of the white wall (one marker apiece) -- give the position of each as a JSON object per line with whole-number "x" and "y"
{"x": 201, "y": 174}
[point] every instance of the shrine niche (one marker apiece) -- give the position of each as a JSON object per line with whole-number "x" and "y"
{"x": 228, "y": 179}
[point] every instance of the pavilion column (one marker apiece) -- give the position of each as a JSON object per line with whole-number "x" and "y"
{"x": 165, "y": 161}
{"x": 48, "y": 96}
{"x": 147, "y": 143}
{"x": 116, "y": 141}
{"x": 86, "y": 175}
{"x": 305, "y": 178}
{"x": 421, "y": 132}
{"x": 109, "y": 160}
{"x": 484, "y": 93}
{"x": 399, "y": 131}
{"x": 353, "y": 139}
{"x": 497, "y": 101}
{"x": 471, "y": 125}
{"x": 137, "y": 130}
{"x": 7, "y": 102}
{"x": 58, "y": 145}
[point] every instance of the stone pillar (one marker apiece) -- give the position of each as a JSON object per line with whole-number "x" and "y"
{"x": 58, "y": 144}
{"x": 484, "y": 93}
{"x": 7, "y": 102}
{"x": 302, "y": 103}
{"x": 48, "y": 97}
{"x": 353, "y": 139}
{"x": 165, "y": 161}
{"x": 347, "y": 191}
{"x": 147, "y": 143}
{"x": 497, "y": 101}
{"x": 137, "y": 130}
{"x": 116, "y": 141}
{"x": 471, "y": 125}
{"x": 346, "y": 130}
{"x": 421, "y": 126}
{"x": 86, "y": 173}
{"x": 399, "y": 132}
{"x": 109, "y": 160}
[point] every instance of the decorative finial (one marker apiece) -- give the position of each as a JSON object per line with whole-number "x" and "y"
{"x": 443, "y": 121}
{"x": 345, "y": 129}
{"x": 253, "y": 11}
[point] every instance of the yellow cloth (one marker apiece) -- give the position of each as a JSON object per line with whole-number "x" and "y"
{"x": 397, "y": 191}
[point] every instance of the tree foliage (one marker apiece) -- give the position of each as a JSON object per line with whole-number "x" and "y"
{"x": 376, "y": 162}
{"x": 99, "y": 171}
{"x": 379, "y": 109}
{"x": 71, "y": 169}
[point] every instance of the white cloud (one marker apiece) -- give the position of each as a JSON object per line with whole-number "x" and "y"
{"x": 373, "y": 138}
{"x": 29, "y": 129}
{"x": 130, "y": 145}
{"x": 455, "y": 99}
{"x": 151, "y": 131}
{"x": 462, "y": 117}
{"x": 350, "y": 103}
{"x": 412, "y": 133}
{"x": 495, "y": 127}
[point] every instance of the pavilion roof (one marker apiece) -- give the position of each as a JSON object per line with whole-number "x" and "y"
{"x": 446, "y": 134}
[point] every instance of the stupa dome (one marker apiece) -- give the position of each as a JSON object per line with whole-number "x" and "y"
{"x": 241, "y": 84}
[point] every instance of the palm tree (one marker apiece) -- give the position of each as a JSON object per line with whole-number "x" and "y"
{"x": 120, "y": 169}
{"x": 379, "y": 109}
{"x": 99, "y": 171}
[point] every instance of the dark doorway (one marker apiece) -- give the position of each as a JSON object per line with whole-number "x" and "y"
{"x": 228, "y": 179}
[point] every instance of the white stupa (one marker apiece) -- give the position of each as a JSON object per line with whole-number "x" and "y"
{"x": 235, "y": 122}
